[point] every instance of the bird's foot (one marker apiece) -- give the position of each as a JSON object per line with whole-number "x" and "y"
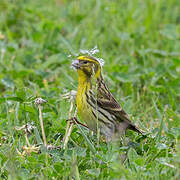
{"x": 75, "y": 121}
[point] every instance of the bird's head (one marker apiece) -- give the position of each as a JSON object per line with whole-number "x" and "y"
{"x": 87, "y": 67}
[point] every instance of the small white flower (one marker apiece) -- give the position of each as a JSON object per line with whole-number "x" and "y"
{"x": 70, "y": 95}
{"x": 39, "y": 101}
{"x": 27, "y": 128}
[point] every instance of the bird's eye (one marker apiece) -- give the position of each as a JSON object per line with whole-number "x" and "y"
{"x": 85, "y": 62}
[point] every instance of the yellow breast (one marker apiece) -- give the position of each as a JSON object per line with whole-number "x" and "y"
{"x": 84, "y": 109}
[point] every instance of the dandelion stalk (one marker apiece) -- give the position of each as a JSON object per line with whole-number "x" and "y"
{"x": 38, "y": 102}
{"x": 27, "y": 140}
{"x": 71, "y": 96}
{"x": 42, "y": 125}
{"x": 69, "y": 125}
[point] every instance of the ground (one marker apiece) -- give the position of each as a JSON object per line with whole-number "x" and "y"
{"x": 140, "y": 44}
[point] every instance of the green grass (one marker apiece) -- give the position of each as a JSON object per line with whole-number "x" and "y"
{"x": 140, "y": 43}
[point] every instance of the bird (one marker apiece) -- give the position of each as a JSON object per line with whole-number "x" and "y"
{"x": 96, "y": 105}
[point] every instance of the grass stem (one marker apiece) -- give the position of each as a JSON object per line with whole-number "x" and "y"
{"x": 42, "y": 125}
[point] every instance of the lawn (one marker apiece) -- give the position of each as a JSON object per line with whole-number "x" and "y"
{"x": 139, "y": 41}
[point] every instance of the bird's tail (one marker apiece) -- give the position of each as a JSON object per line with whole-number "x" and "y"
{"x": 135, "y": 128}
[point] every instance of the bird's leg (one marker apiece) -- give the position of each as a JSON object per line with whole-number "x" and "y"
{"x": 75, "y": 121}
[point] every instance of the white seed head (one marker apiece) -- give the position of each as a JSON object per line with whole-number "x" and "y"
{"x": 39, "y": 101}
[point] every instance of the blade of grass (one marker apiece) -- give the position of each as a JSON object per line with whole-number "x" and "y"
{"x": 158, "y": 136}
{"x": 91, "y": 147}
{"x": 38, "y": 138}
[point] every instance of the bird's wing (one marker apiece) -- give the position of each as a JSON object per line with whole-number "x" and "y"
{"x": 113, "y": 107}
{"x": 106, "y": 101}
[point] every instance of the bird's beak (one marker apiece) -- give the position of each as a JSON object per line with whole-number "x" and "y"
{"x": 75, "y": 64}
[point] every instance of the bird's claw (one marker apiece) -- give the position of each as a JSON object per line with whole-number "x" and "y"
{"x": 74, "y": 120}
